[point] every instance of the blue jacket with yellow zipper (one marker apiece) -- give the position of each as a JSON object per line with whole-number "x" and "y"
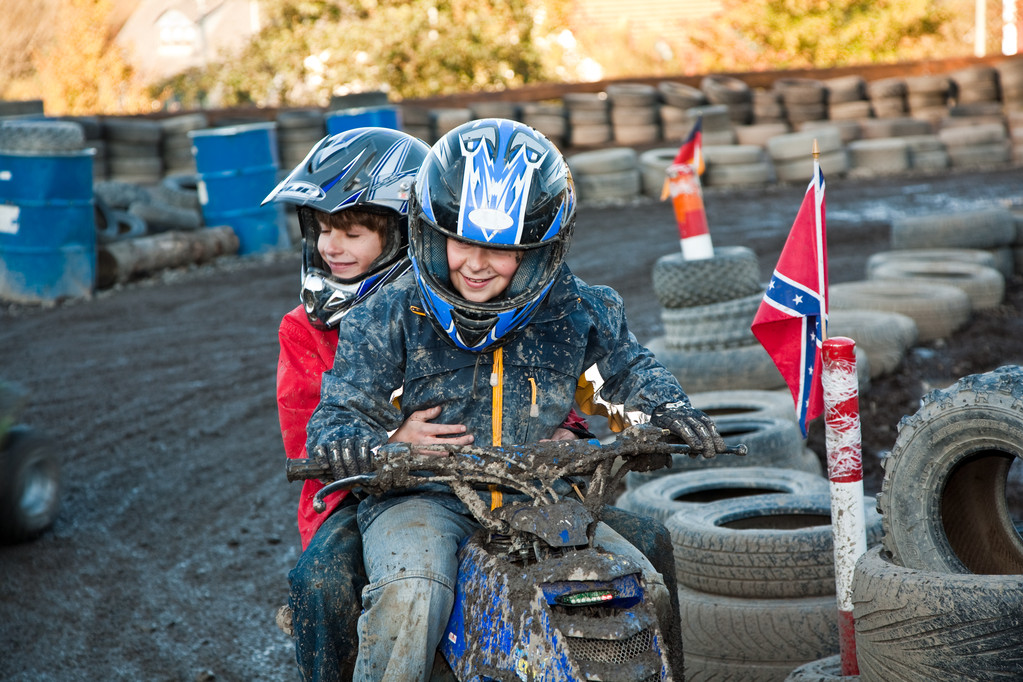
{"x": 577, "y": 342}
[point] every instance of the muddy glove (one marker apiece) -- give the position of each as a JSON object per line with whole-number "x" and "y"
{"x": 347, "y": 457}
{"x": 695, "y": 428}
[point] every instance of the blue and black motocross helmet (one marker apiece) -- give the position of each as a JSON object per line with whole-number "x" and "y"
{"x": 497, "y": 184}
{"x": 366, "y": 169}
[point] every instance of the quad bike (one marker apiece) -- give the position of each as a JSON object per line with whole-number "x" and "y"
{"x": 29, "y": 473}
{"x": 535, "y": 599}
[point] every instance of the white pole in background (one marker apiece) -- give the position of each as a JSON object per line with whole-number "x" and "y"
{"x": 1010, "y": 34}
{"x": 979, "y": 26}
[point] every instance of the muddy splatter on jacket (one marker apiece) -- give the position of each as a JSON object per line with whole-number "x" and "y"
{"x": 518, "y": 393}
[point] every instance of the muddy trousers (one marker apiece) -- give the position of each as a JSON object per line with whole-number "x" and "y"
{"x": 326, "y": 590}
{"x": 410, "y": 550}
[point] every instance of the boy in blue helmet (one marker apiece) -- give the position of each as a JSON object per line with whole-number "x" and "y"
{"x": 490, "y": 311}
{"x": 351, "y": 196}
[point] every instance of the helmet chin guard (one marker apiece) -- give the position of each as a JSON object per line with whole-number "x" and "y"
{"x": 496, "y": 184}
{"x": 366, "y": 169}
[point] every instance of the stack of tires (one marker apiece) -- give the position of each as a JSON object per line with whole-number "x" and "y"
{"x": 756, "y": 582}
{"x": 635, "y": 113}
{"x": 134, "y": 152}
{"x": 940, "y": 269}
{"x": 707, "y": 308}
{"x": 606, "y": 174}
{"x": 942, "y": 597}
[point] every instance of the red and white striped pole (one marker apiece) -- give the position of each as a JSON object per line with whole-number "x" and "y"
{"x": 687, "y": 200}
{"x": 845, "y": 472}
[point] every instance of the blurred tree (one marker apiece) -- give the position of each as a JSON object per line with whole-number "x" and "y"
{"x": 783, "y": 34}
{"x": 81, "y": 71}
{"x": 311, "y": 50}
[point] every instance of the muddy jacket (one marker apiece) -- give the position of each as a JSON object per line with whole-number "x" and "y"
{"x": 306, "y": 353}
{"x": 518, "y": 393}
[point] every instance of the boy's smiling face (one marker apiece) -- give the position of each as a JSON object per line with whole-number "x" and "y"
{"x": 348, "y": 252}
{"x": 480, "y": 274}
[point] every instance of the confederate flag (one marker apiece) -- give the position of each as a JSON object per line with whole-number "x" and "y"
{"x": 792, "y": 319}
{"x": 690, "y": 153}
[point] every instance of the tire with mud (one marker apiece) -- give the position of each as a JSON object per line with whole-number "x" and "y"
{"x": 714, "y": 326}
{"x": 754, "y": 640}
{"x": 29, "y": 485}
{"x": 765, "y": 546}
{"x": 731, "y": 273}
{"x": 913, "y": 624}
{"x": 668, "y": 495}
{"x": 943, "y": 496}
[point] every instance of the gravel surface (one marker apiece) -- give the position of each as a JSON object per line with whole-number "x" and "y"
{"x": 177, "y": 529}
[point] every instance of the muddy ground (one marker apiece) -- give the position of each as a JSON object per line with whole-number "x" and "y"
{"x": 177, "y": 526}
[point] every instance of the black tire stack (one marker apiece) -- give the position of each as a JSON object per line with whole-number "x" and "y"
{"x": 941, "y": 597}
{"x": 707, "y": 308}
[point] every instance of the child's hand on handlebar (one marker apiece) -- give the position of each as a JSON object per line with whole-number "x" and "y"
{"x": 693, "y": 426}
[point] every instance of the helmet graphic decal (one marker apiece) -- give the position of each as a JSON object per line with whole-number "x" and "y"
{"x": 496, "y": 182}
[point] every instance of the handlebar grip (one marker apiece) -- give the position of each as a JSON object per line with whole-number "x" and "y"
{"x": 301, "y": 469}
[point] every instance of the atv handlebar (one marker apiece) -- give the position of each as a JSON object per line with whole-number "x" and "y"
{"x": 531, "y": 468}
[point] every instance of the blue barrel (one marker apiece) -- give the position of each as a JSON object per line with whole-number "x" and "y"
{"x": 237, "y": 167}
{"x": 47, "y": 225}
{"x": 362, "y": 117}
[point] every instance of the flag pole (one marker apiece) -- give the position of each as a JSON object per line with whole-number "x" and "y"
{"x": 819, "y": 225}
{"x": 845, "y": 476}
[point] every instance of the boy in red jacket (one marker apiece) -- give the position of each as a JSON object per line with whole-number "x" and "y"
{"x": 351, "y": 194}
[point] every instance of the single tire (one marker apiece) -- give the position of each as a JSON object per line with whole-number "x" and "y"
{"x": 913, "y": 624}
{"x": 767, "y": 546}
{"x": 29, "y": 485}
{"x": 668, "y": 495}
{"x": 731, "y": 273}
{"x": 938, "y": 309}
{"x": 41, "y": 136}
{"x": 599, "y": 187}
{"x": 713, "y": 326}
{"x": 750, "y": 404}
{"x": 979, "y": 229}
{"x": 943, "y": 496}
{"x": 714, "y": 370}
{"x": 754, "y": 640}
{"x": 603, "y": 161}
{"x": 976, "y": 256}
{"x": 984, "y": 285}
{"x": 740, "y": 174}
{"x": 161, "y": 217}
{"x": 120, "y": 195}
{"x": 771, "y": 441}
{"x": 883, "y": 336}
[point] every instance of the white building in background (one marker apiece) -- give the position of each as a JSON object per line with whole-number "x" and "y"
{"x": 165, "y": 37}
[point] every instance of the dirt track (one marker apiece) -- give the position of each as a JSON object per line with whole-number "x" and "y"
{"x": 177, "y": 526}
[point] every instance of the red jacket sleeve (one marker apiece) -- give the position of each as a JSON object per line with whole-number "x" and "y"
{"x": 305, "y": 354}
